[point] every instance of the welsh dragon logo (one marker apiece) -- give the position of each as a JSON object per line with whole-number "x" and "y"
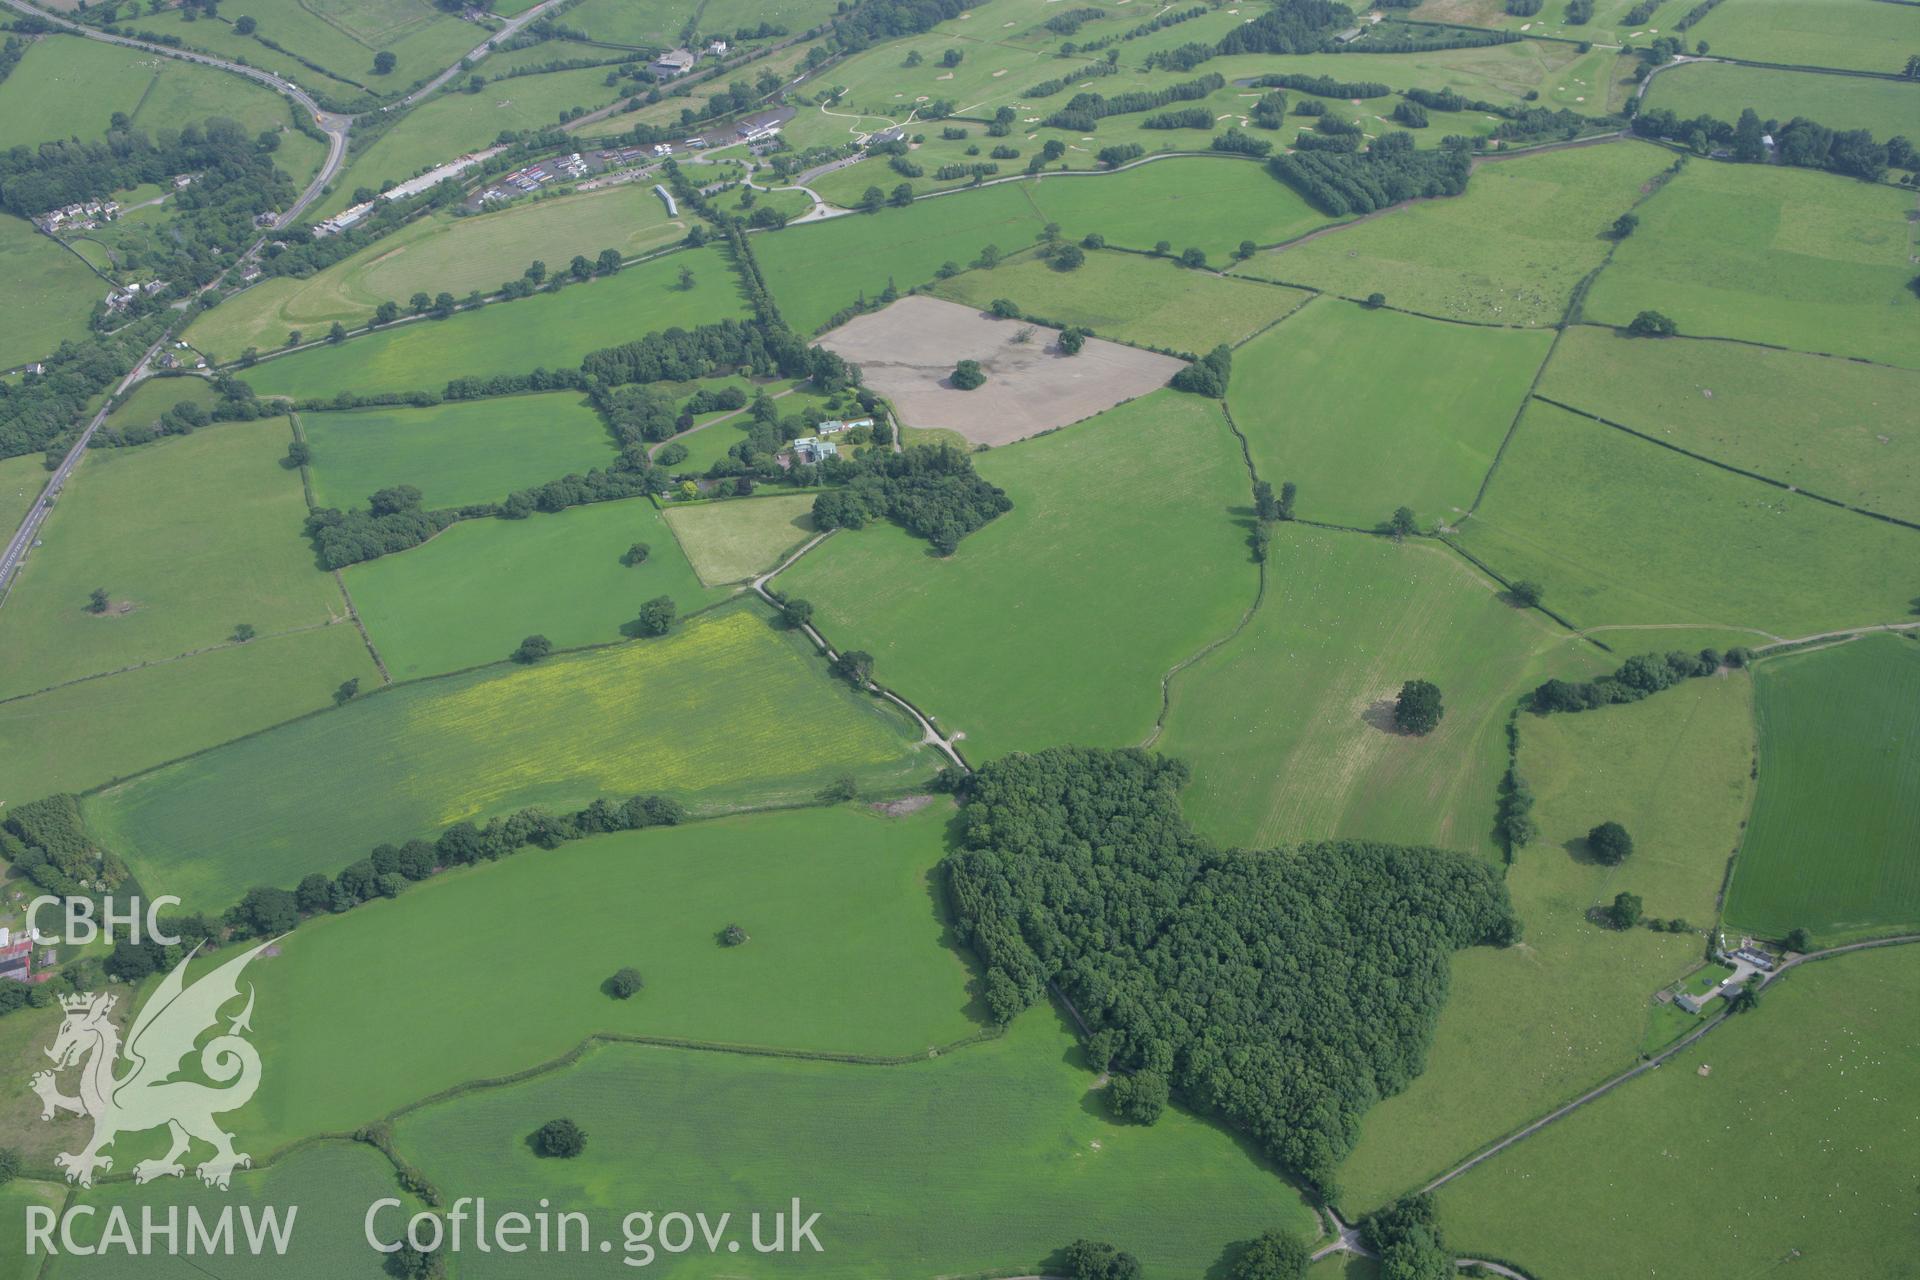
{"x": 147, "y": 1096}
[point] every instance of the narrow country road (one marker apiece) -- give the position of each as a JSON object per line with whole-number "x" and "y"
{"x": 929, "y": 734}
{"x": 479, "y": 51}
{"x": 335, "y": 126}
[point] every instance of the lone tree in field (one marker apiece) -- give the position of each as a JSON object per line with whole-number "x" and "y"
{"x": 1376, "y": 300}
{"x": 384, "y": 62}
{"x": 1276, "y": 1255}
{"x": 656, "y": 616}
{"x": 243, "y": 632}
{"x": 1609, "y": 843}
{"x": 733, "y": 936}
{"x": 97, "y": 600}
{"x": 626, "y": 984}
{"x": 1417, "y": 709}
{"x": 1651, "y": 324}
{"x": 347, "y": 692}
{"x": 1069, "y": 257}
{"x": 686, "y": 279}
{"x": 1798, "y": 940}
{"x": 1402, "y": 523}
{"x": 560, "y": 1139}
{"x": 967, "y": 375}
{"x": 636, "y": 554}
{"x": 1625, "y": 911}
{"x": 1625, "y": 225}
{"x": 798, "y": 613}
{"x": 1072, "y": 339}
{"x": 532, "y": 649}
{"x": 1004, "y": 309}
{"x": 1524, "y": 593}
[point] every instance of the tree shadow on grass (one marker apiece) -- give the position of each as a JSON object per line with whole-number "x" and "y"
{"x": 1581, "y": 852}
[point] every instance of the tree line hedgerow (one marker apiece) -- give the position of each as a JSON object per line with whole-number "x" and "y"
{"x": 1638, "y": 677}
{"x": 1287, "y": 990}
{"x": 1084, "y": 111}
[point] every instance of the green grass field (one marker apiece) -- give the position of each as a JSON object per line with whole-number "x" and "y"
{"x": 1522, "y": 236}
{"x": 618, "y": 22}
{"x": 817, "y": 269}
{"x": 15, "y": 1197}
{"x": 155, "y": 396}
{"x": 180, "y": 571}
{"x": 830, "y": 896}
{"x": 679, "y": 716}
{"x": 1608, "y": 22}
{"x": 1573, "y": 1002}
{"x": 1858, "y": 37}
{"x": 1288, "y": 726}
{"x": 1370, "y": 410}
{"x": 21, "y": 481}
{"x": 1792, "y": 257}
{"x": 72, "y": 87}
{"x": 1056, "y": 622}
{"x": 1838, "y": 816}
{"x": 46, "y": 294}
{"x": 458, "y": 452}
{"x": 1201, "y": 202}
{"x": 1132, "y": 299}
{"x": 971, "y": 1164}
{"x": 552, "y": 330}
{"x": 1814, "y": 1088}
{"x": 472, "y": 594}
{"x": 340, "y": 35}
{"x": 1667, "y": 539}
{"x": 1837, "y": 428}
{"x": 333, "y": 1183}
{"x": 1723, "y": 90}
{"x": 457, "y": 255}
{"x": 733, "y": 541}
{"x": 84, "y": 734}
{"x": 452, "y": 123}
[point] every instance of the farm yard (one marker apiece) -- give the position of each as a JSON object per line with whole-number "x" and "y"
{"x": 1091, "y": 639}
{"x": 908, "y": 352}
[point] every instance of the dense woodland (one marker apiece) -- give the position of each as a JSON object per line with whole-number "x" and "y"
{"x": 1340, "y": 182}
{"x": 1286, "y": 990}
{"x": 933, "y": 493}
